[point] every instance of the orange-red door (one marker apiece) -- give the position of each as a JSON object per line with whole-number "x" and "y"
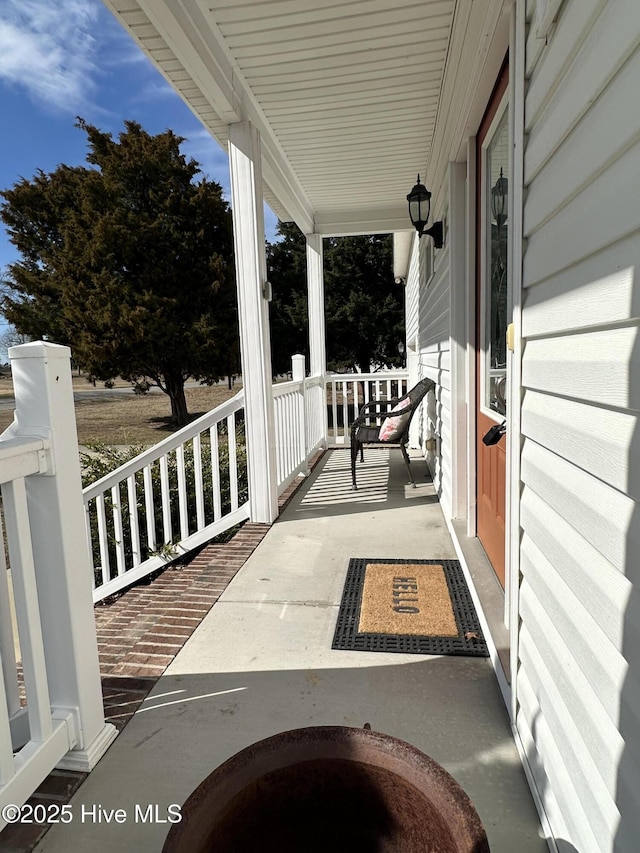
{"x": 492, "y": 300}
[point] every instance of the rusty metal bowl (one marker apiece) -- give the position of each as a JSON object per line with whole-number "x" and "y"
{"x": 329, "y": 788}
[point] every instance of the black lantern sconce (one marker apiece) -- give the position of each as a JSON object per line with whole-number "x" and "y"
{"x": 499, "y": 197}
{"x": 419, "y": 207}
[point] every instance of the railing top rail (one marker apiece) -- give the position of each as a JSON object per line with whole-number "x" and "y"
{"x": 21, "y": 456}
{"x": 359, "y": 377}
{"x": 17, "y": 445}
{"x": 282, "y": 388}
{"x": 168, "y": 444}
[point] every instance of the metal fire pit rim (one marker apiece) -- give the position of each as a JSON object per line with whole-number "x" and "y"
{"x": 337, "y": 742}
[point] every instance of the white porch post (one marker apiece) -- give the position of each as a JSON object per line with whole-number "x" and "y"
{"x": 253, "y": 309}
{"x": 315, "y": 285}
{"x": 317, "y": 336}
{"x": 44, "y": 408}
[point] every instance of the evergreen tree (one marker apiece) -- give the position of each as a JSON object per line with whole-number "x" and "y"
{"x": 364, "y": 312}
{"x": 128, "y": 261}
{"x": 287, "y": 272}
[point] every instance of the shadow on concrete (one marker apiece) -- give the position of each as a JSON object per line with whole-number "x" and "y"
{"x": 449, "y": 708}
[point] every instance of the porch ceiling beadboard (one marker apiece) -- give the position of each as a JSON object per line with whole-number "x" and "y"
{"x": 345, "y": 94}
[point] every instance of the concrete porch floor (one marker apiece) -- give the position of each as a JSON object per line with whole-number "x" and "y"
{"x": 261, "y": 662}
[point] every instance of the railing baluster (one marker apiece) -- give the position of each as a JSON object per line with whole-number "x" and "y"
{"x": 300, "y": 424}
{"x": 118, "y": 534}
{"x": 345, "y": 409}
{"x": 334, "y": 409}
{"x": 233, "y": 461}
{"x": 149, "y": 508}
{"x": 281, "y": 453}
{"x": 277, "y": 414}
{"x": 103, "y": 539}
{"x": 167, "y": 530}
{"x": 7, "y": 762}
{"x": 27, "y": 610}
{"x": 215, "y": 473}
{"x": 9, "y": 681}
{"x": 182, "y": 492}
{"x": 292, "y": 437}
{"x": 197, "y": 475}
{"x": 134, "y": 526}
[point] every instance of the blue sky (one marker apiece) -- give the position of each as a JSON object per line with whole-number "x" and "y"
{"x": 65, "y": 58}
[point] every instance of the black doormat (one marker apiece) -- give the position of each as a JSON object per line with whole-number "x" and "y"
{"x": 468, "y": 641}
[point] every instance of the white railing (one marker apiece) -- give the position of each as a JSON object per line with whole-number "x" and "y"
{"x": 299, "y": 425}
{"x": 50, "y": 699}
{"x": 192, "y": 486}
{"x": 347, "y": 393}
{"x": 21, "y": 639}
{"x": 288, "y": 413}
{"x": 168, "y": 500}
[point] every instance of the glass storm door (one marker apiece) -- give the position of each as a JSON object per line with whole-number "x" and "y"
{"x": 492, "y": 301}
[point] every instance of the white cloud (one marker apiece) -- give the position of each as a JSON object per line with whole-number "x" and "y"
{"x": 47, "y": 49}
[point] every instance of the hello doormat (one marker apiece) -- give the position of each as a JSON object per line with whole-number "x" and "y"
{"x": 410, "y": 606}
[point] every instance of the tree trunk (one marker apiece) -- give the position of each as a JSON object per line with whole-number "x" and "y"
{"x": 175, "y": 390}
{"x": 364, "y": 360}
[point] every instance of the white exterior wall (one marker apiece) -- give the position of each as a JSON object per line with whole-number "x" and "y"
{"x": 412, "y": 294}
{"x": 428, "y": 325}
{"x": 578, "y": 678}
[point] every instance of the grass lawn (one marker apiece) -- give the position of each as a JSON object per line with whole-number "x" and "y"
{"x": 132, "y": 418}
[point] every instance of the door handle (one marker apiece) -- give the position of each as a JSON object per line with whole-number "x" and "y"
{"x": 494, "y": 435}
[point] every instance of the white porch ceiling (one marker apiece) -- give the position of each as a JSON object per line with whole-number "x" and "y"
{"x": 345, "y": 94}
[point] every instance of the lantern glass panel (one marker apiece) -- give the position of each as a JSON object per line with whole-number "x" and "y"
{"x": 496, "y": 271}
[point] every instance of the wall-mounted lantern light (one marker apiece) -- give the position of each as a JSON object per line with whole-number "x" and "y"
{"x": 419, "y": 207}
{"x": 499, "y": 196}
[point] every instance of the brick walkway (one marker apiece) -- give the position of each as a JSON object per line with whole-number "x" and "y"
{"x": 139, "y": 633}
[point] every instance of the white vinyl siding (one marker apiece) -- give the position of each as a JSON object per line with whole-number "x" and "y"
{"x": 412, "y": 295}
{"x": 578, "y": 680}
{"x": 434, "y": 360}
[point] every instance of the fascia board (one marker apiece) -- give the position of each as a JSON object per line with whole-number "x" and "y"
{"x": 209, "y": 68}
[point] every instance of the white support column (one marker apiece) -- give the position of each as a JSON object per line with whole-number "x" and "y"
{"x": 44, "y": 408}
{"x": 315, "y": 286}
{"x": 317, "y": 335}
{"x": 253, "y": 309}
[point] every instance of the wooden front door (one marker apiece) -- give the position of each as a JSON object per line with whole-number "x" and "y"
{"x": 492, "y": 301}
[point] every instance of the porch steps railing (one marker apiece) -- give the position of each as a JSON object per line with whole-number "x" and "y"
{"x": 51, "y": 711}
{"x": 169, "y": 499}
{"x": 192, "y": 486}
{"x": 33, "y": 738}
